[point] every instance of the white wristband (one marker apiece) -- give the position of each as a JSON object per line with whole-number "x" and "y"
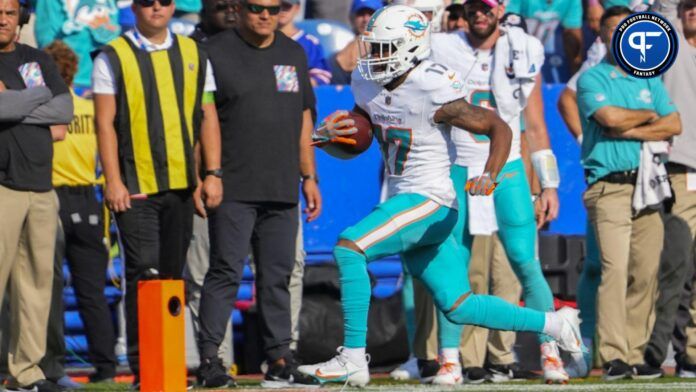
{"x": 546, "y": 168}
{"x": 579, "y": 139}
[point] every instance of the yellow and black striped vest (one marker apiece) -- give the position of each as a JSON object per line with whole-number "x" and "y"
{"x": 158, "y": 113}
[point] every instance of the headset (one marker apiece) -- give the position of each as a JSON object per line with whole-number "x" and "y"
{"x": 24, "y": 12}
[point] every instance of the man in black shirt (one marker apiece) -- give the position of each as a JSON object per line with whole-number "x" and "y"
{"x": 216, "y": 16}
{"x": 265, "y": 104}
{"x": 35, "y": 108}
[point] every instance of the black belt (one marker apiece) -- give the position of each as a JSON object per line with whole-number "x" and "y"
{"x": 622, "y": 177}
{"x": 676, "y": 168}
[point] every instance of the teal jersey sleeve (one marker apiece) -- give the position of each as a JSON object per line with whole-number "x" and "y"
{"x": 661, "y": 99}
{"x": 572, "y": 19}
{"x": 592, "y": 94}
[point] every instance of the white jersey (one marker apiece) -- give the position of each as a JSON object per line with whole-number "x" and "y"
{"x": 417, "y": 152}
{"x": 475, "y": 66}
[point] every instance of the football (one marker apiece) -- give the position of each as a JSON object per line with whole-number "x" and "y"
{"x": 363, "y": 139}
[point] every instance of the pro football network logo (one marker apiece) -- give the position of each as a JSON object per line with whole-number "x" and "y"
{"x": 645, "y": 45}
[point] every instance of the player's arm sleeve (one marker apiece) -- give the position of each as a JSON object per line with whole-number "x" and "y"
{"x": 573, "y": 16}
{"x": 592, "y": 95}
{"x": 50, "y": 17}
{"x": 662, "y": 101}
{"x": 103, "y": 78}
{"x": 209, "y": 78}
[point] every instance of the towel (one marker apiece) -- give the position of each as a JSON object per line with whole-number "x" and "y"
{"x": 517, "y": 62}
{"x": 652, "y": 184}
{"x": 482, "y": 219}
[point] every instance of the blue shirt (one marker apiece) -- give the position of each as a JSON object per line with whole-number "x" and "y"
{"x": 318, "y": 69}
{"x": 546, "y": 21}
{"x": 606, "y": 85}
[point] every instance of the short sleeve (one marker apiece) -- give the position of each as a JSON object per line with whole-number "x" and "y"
{"x": 592, "y": 94}
{"x": 308, "y": 99}
{"x": 103, "y": 79}
{"x": 661, "y": 99}
{"x": 449, "y": 88}
{"x": 572, "y": 19}
{"x": 51, "y": 76}
{"x": 209, "y": 86}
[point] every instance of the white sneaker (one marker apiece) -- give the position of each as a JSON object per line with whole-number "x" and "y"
{"x": 406, "y": 371}
{"x": 570, "y": 340}
{"x": 552, "y": 365}
{"x": 450, "y": 373}
{"x": 339, "y": 369}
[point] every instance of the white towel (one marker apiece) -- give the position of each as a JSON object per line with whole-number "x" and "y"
{"x": 652, "y": 184}
{"x": 518, "y": 60}
{"x": 482, "y": 219}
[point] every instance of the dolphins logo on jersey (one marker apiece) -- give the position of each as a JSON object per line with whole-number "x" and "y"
{"x": 94, "y": 15}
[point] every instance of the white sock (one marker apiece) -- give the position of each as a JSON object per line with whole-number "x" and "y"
{"x": 553, "y": 325}
{"x": 450, "y": 355}
{"x": 355, "y": 355}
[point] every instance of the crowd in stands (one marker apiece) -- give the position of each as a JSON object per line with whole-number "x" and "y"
{"x": 139, "y": 122}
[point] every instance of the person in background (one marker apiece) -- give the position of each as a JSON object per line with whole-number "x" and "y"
{"x": 319, "y": 72}
{"x": 455, "y": 18}
{"x": 81, "y": 238}
{"x": 83, "y": 25}
{"x": 153, "y": 191}
{"x": 677, "y": 264}
{"x": 616, "y": 118}
{"x": 557, "y": 24}
{"x": 267, "y": 106}
{"x": 35, "y": 108}
{"x": 216, "y": 16}
{"x": 344, "y": 61}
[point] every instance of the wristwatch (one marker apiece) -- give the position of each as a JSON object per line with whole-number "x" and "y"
{"x": 311, "y": 177}
{"x": 214, "y": 172}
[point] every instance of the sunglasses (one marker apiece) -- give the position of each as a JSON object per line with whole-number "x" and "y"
{"x": 470, "y": 10}
{"x": 224, "y": 6}
{"x": 258, "y": 9}
{"x": 150, "y": 3}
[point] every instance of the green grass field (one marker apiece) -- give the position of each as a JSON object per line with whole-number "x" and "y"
{"x": 383, "y": 383}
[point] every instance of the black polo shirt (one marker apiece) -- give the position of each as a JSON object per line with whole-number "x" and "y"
{"x": 261, "y": 95}
{"x": 26, "y": 151}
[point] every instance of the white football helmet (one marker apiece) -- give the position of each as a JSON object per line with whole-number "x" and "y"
{"x": 435, "y": 7}
{"x": 396, "y": 39}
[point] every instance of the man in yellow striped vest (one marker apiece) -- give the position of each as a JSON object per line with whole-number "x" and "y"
{"x": 154, "y": 103}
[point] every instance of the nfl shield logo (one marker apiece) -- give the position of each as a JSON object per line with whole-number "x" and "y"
{"x": 387, "y": 100}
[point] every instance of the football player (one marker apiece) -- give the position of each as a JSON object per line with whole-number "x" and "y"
{"x": 474, "y": 54}
{"x": 412, "y": 104}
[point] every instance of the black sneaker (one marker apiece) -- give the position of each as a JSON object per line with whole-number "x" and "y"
{"x": 428, "y": 370}
{"x": 519, "y": 373}
{"x": 39, "y": 386}
{"x": 646, "y": 372}
{"x": 212, "y": 374}
{"x": 475, "y": 375}
{"x": 287, "y": 376}
{"x": 616, "y": 370}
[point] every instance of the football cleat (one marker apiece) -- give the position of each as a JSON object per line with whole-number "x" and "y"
{"x": 339, "y": 369}
{"x": 450, "y": 373}
{"x": 570, "y": 340}
{"x": 552, "y": 365}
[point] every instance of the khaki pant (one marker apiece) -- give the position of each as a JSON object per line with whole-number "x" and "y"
{"x": 685, "y": 208}
{"x": 27, "y": 242}
{"x": 630, "y": 253}
{"x": 490, "y": 273}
